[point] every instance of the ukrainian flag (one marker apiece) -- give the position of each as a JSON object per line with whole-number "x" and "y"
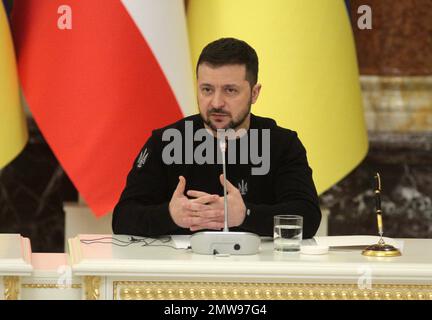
{"x": 308, "y": 72}
{"x": 13, "y": 130}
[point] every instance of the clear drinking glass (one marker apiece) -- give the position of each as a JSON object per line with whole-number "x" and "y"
{"x": 287, "y": 233}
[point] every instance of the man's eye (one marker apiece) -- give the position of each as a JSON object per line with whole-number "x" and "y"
{"x": 206, "y": 90}
{"x": 231, "y": 90}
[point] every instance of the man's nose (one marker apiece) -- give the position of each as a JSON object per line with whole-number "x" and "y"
{"x": 217, "y": 101}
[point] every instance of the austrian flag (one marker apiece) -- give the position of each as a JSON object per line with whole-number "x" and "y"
{"x": 98, "y": 76}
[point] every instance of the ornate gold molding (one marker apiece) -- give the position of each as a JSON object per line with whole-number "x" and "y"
{"x": 405, "y": 83}
{"x": 92, "y": 287}
{"x": 11, "y": 287}
{"x": 50, "y": 286}
{"x": 161, "y": 290}
{"x": 397, "y": 104}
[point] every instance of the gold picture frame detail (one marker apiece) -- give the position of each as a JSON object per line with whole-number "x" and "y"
{"x": 155, "y": 290}
{"x": 11, "y": 287}
{"x": 92, "y": 287}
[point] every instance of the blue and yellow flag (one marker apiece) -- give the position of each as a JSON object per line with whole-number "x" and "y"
{"x": 13, "y": 129}
{"x": 308, "y": 72}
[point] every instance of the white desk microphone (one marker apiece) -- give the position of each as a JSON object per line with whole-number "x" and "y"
{"x": 225, "y": 242}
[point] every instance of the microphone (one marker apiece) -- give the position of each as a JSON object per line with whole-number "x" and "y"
{"x": 225, "y": 242}
{"x": 222, "y": 145}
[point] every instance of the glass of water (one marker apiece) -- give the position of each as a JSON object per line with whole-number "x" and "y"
{"x": 287, "y": 233}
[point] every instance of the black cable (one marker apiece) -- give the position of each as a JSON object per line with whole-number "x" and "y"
{"x": 147, "y": 242}
{"x": 98, "y": 240}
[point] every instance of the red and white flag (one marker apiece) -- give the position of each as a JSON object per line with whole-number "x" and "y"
{"x": 98, "y": 76}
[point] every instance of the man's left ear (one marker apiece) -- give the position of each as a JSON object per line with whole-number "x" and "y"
{"x": 255, "y": 92}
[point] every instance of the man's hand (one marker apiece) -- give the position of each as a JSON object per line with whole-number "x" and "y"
{"x": 194, "y": 214}
{"x": 236, "y": 206}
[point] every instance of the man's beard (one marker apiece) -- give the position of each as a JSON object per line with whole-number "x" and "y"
{"x": 232, "y": 124}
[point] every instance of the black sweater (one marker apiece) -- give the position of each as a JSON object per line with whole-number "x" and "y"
{"x": 287, "y": 188}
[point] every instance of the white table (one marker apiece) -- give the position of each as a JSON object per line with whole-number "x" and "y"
{"x": 137, "y": 272}
{"x": 15, "y": 263}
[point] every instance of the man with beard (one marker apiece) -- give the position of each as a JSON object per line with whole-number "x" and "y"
{"x": 178, "y": 197}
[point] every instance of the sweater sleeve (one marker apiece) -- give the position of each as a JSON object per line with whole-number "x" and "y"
{"x": 143, "y": 206}
{"x": 294, "y": 191}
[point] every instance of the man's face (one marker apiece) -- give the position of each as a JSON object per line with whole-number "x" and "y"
{"x": 225, "y": 96}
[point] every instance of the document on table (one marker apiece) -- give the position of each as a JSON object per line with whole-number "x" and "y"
{"x": 354, "y": 241}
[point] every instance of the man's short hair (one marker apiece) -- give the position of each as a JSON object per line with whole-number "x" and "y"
{"x": 230, "y": 51}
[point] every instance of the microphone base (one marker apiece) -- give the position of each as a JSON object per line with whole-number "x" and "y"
{"x": 221, "y": 242}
